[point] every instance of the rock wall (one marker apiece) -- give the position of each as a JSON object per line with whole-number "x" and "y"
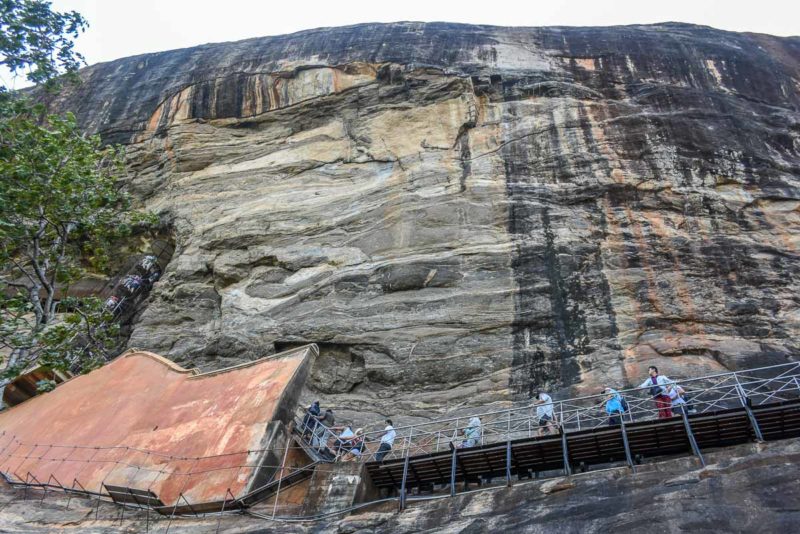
{"x": 459, "y": 215}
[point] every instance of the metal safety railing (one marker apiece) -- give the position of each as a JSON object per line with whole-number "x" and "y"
{"x": 137, "y": 478}
{"x": 323, "y": 443}
{"x": 705, "y": 394}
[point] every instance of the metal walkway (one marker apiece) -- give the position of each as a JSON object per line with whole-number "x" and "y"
{"x": 745, "y": 390}
{"x": 524, "y": 457}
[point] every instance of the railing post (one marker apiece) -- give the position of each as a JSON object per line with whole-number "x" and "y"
{"x": 628, "y": 456}
{"x": 403, "y": 483}
{"x": 690, "y": 435}
{"x": 508, "y": 451}
{"x": 564, "y": 450}
{"x": 453, "y": 472}
{"x": 283, "y": 466}
{"x": 508, "y": 463}
{"x": 530, "y": 417}
{"x": 745, "y": 400}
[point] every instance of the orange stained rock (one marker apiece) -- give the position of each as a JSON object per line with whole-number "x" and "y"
{"x": 145, "y": 422}
{"x": 587, "y": 63}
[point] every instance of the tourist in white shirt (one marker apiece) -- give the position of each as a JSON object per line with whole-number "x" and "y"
{"x": 544, "y": 413}
{"x": 675, "y": 394}
{"x": 387, "y": 440}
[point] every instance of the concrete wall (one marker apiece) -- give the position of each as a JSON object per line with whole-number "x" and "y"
{"x": 338, "y": 486}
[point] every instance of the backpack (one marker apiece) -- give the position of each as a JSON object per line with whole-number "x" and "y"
{"x": 655, "y": 390}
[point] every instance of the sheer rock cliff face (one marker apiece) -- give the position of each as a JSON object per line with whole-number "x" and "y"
{"x": 461, "y": 214}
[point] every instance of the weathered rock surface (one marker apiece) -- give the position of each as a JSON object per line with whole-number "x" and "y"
{"x": 751, "y": 488}
{"x": 460, "y": 214}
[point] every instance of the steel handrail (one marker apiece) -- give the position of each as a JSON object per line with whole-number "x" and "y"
{"x": 726, "y": 391}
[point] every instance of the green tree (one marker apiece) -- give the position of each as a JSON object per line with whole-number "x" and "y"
{"x": 61, "y": 211}
{"x": 61, "y": 208}
{"x": 38, "y": 42}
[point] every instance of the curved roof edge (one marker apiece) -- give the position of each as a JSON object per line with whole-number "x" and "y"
{"x": 313, "y": 347}
{"x": 195, "y": 373}
{"x": 157, "y": 357}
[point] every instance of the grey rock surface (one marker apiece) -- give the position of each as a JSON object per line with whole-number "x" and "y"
{"x": 459, "y": 214}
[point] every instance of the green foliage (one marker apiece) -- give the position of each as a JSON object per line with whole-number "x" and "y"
{"x": 43, "y": 386}
{"x": 61, "y": 211}
{"x": 81, "y": 340}
{"x": 61, "y": 207}
{"x": 57, "y": 185}
{"x": 38, "y": 41}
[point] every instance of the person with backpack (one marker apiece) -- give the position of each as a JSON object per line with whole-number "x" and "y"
{"x": 147, "y": 263}
{"x": 112, "y": 302}
{"x": 614, "y": 406}
{"x": 310, "y": 419}
{"x": 132, "y": 283}
{"x": 656, "y": 385}
{"x": 322, "y": 431}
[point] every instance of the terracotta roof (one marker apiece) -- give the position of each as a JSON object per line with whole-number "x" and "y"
{"x": 143, "y": 421}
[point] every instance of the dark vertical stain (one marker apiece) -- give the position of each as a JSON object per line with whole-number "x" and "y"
{"x": 465, "y": 161}
{"x": 546, "y": 342}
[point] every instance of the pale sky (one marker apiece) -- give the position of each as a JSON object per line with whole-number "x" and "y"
{"x": 121, "y": 28}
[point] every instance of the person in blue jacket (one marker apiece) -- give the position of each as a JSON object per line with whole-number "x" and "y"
{"x": 614, "y": 406}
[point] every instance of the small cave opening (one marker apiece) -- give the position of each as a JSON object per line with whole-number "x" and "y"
{"x": 339, "y": 368}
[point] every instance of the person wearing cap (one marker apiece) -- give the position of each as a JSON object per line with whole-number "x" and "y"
{"x": 472, "y": 434}
{"x": 310, "y": 420}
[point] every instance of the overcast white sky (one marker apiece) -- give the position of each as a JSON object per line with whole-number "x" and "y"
{"x": 120, "y": 28}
